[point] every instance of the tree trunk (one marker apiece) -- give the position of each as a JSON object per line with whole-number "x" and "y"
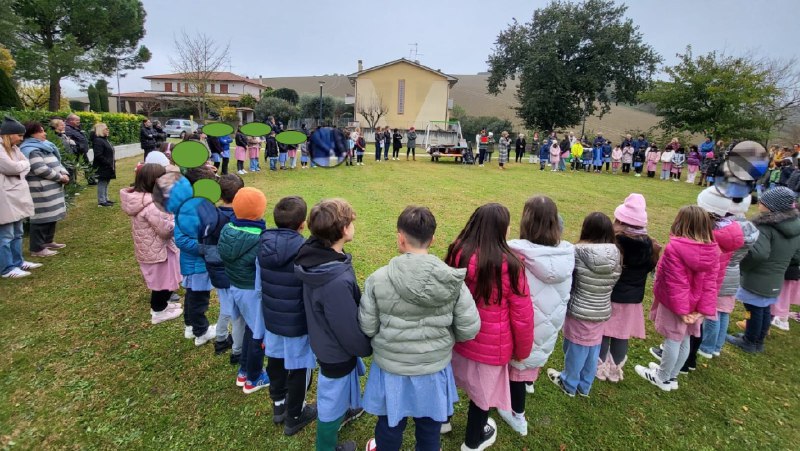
{"x": 55, "y": 92}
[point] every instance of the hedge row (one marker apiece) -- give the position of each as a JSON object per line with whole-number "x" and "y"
{"x": 124, "y": 127}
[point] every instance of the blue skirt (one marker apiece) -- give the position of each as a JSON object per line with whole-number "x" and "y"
{"x": 247, "y": 304}
{"x": 197, "y": 282}
{"x": 398, "y": 397}
{"x": 335, "y": 396}
{"x": 225, "y": 301}
{"x": 295, "y": 351}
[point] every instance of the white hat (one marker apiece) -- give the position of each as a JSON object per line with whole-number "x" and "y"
{"x": 740, "y": 209}
{"x": 712, "y": 201}
{"x": 157, "y": 157}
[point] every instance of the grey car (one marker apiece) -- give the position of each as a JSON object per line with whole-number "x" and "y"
{"x": 180, "y": 127}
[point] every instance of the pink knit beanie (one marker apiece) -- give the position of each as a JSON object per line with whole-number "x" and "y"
{"x": 632, "y": 211}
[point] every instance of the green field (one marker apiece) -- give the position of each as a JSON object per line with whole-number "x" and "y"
{"x": 83, "y": 368}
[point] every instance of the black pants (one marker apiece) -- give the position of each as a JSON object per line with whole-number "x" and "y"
{"x": 288, "y": 385}
{"x": 377, "y": 152}
{"x": 651, "y": 174}
{"x": 617, "y": 346}
{"x": 252, "y": 356}
{"x": 412, "y": 151}
{"x": 239, "y": 165}
{"x": 427, "y": 433}
{"x": 757, "y": 324}
{"x": 608, "y": 165}
{"x": 626, "y": 167}
{"x": 359, "y": 158}
{"x": 518, "y": 394}
{"x": 147, "y": 151}
{"x": 195, "y": 308}
{"x": 476, "y": 420}
{"x": 638, "y": 169}
{"x": 395, "y": 152}
{"x": 694, "y": 345}
{"x": 41, "y": 234}
{"x": 520, "y": 154}
{"x": 676, "y": 175}
{"x": 159, "y": 299}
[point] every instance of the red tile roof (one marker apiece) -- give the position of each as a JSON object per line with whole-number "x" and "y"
{"x": 214, "y": 76}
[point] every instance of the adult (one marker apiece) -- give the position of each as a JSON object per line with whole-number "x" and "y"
{"x": 215, "y": 147}
{"x": 15, "y": 200}
{"x": 503, "y": 145}
{"x": 161, "y": 135}
{"x": 483, "y": 143}
{"x": 46, "y": 181}
{"x": 397, "y": 144}
{"x": 519, "y": 148}
{"x": 274, "y": 125}
{"x": 387, "y": 142}
{"x": 565, "y": 147}
{"x": 599, "y": 140}
{"x": 411, "y": 143}
{"x": 73, "y": 130}
{"x": 59, "y": 128}
{"x": 627, "y": 142}
{"x": 706, "y": 147}
{"x": 104, "y": 164}
{"x": 640, "y": 143}
{"x": 378, "y": 140}
{"x": 147, "y": 137}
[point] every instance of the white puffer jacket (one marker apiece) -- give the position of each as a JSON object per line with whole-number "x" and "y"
{"x": 549, "y": 273}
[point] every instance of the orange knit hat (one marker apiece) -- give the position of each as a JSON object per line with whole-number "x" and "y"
{"x": 249, "y": 203}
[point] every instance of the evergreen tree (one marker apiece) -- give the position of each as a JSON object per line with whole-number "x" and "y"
{"x": 94, "y": 99}
{"x": 8, "y": 95}
{"x": 102, "y": 92}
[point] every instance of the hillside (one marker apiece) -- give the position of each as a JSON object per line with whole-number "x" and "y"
{"x": 470, "y": 93}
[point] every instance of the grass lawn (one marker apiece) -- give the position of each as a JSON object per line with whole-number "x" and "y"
{"x": 83, "y": 368}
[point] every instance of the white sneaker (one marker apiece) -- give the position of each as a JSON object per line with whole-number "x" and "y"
{"x": 16, "y": 273}
{"x": 446, "y": 428}
{"x": 210, "y": 334}
{"x": 529, "y": 387}
{"x": 187, "y": 332}
{"x": 517, "y": 421}
{"x": 165, "y": 315}
{"x": 240, "y": 172}
{"x": 673, "y": 384}
{"x": 705, "y": 355}
{"x": 26, "y": 265}
{"x": 780, "y": 324}
{"x": 716, "y": 354}
{"x": 651, "y": 375}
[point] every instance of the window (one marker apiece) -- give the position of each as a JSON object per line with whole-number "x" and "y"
{"x": 168, "y": 87}
{"x": 223, "y": 88}
{"x": 213, "y": 88}
{"x": 179, "y": 88}
{"x": 401, "y": 96}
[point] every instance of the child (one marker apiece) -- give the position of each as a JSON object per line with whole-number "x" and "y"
{"x": 666, "y": 162}
{"x": 639, "y": 157}
{"x": 304, "y": 155}
{"x": 587, "y": 158}
{"x": 597, "y": 269}
{"x": 544, "y": 155}
{"x": 607, "y": 149}
{"x": 577, "y": 155}
{"x": 241, "y": 151}
{"x": 616, "y": 159}
{"x": 684, "y": 290}
{"x": 496, "y": 279}
{"x": 253, "y": 146}
{"x": 415, "y": 309}
{"x": 677, "y": 164}
{"x": 378, "y": 139}
{"x": 729, "y": 237}
{"x": 549, "y": 262}
{"x": 777, "y": 246}
{"x": 331, "y": 297}
{"x": 639, "y": 257}
{"x": 230, "y": 184}
{"x": 597, "y": 157}
{"x": 361, "y": 146}
{"x": 711, "y": 169}
{"x": 153, "y": 244}
{"x": 238, "y": 248}
{"x": 715, "y": 330}
{"x": 291, "y": 153}
{"x": 627, "y": 158}
{"x": 555, "y": 155}
{"x": 653, "y": 157}
{"x": 271, "y": 151}
{"x": 291, "y": 360}
{"x": 351, "y": 145}
{"x": 182, "y": 203}
{"x": 692, "y": 163}
{"x": 225, "y": 143}
{"x": 411, "y": 144}
{"x": 790, "y": 294}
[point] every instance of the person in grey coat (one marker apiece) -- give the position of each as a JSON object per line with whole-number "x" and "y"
{"x": 411, "y": 143}
{"x": 46, "y": 181}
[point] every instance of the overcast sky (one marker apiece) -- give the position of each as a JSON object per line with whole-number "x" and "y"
{"x": 276, "y": 39}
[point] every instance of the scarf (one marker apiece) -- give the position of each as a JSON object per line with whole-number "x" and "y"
{"x": 31, "y": 144}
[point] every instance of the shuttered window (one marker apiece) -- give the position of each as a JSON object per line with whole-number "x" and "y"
{"x": 401, "y": 96}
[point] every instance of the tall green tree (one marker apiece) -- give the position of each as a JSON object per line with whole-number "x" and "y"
{"x": 282, "y": 110}
{"x": 94, "y": 99}
{"x": 102, "y": 93}
{"x": 572, "y": 60}
{"x": 57, "y": 39}
{"x": 723, "y": 96}
{"x": 287, "y": 94}
{"x": 8, "y": 95}
{"x": 247, "y": 101}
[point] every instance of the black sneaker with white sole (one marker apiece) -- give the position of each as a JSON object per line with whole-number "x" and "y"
{"x": 279, "y": 413}
{"x": 292, "y": 425}
{"x": 235, "y": 359}
{"x": 351, "y": 415}
{"x": 488, "y": 437}
{"x": 222, "y": 346}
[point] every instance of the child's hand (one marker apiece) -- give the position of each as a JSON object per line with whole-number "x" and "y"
{"x": 687, "y": 319}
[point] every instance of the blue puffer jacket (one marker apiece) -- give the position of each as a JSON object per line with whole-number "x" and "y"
{"x": 281, "y": 289}
{"x": 188, "y": 211}
{"x": 214, "y": 265}
{"x": 544, "y": 151}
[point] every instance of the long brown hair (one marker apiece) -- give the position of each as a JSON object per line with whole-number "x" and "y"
{"x": 694, "y": 223}
{"x": 485, "y": 234}
{"x": 539, "y": 223}
{"x": 146, "y": 177}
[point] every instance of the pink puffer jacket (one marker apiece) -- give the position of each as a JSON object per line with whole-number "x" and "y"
{"x": 152, "y": 228}
{"x": 686, "y": 277}
{"x": 506, "y": 327}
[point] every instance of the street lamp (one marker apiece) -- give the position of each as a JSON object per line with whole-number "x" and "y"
{"x": 321, "y": 84}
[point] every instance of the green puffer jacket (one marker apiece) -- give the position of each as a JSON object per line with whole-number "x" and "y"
{"x": 238, "y": 248}
{"x": 415, "y": 309}
{"x": 777, "y": 245}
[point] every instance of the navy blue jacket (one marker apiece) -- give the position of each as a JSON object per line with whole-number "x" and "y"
{"x": 281, "y": 290}
{"x": 214, "y": 265}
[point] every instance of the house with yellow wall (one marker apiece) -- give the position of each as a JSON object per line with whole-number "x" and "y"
{"x": 411, "y": 94}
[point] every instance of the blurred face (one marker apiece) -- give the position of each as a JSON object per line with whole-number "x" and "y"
{"x": 349, "y": 232}
{"x": 74, "y": 121}
{"x": 41, "y": 135}
{"x": 60, "y": 127}
{"x": 148, "y": 124}
{"x": 16, "y": 139}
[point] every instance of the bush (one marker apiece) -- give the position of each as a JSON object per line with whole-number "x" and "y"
{"x": 124, "y": 127}
{"x": 76, "y": 105}
{"x": 228, "y": 114}
{"x": 281, "y": 109}
{"x": 178, "y": 112}
{"x": 247, "y": 101}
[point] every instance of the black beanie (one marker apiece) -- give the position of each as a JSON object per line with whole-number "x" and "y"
{"x": 11, "y": 127}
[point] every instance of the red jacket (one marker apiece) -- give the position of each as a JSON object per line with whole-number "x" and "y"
{"x": 686, "y": 277}
{"x": 506, "y": 328}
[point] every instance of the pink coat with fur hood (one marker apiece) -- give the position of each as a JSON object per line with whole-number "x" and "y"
{"x": 152, "y": 228}
{"x": 686, "y": 277}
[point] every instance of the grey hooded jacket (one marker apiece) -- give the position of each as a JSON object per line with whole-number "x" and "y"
{"x": 415, "y": 309}
{"x": 730, "y": 284}
{"x": 597, "y": 268}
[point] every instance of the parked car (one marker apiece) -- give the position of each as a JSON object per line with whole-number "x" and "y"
{"x": 180, "y": 127}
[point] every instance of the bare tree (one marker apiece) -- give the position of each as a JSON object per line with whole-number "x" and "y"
{"x": 373, "y": 110}
{"x": 784, "y": 105}
{"x": 197, "y": 59}
{"x": 149, "y": 107}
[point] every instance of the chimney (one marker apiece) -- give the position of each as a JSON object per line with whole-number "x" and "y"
{"x": 360, "y": 65}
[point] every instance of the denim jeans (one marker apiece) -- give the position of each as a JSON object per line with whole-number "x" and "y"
{"x": 273, "y": 163}
{"x": 252, "y": 356}
{"x": 664, "y": 174}
{"x": 426, "y": 432}
{"x": 102, "y": 191}
{"x": 580, "y": 366}
{"x": 562, "y": 165}
{"x": 10, "y": 246}
{"x": 757, "y": 324}
{"x": 254, "y": 164}
{"x": 714, "y": 333}
{"x": 377, "y": 151}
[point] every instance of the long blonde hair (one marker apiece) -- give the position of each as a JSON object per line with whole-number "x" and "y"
{"x": 694, "y": 223}
{"x": 6, "y": 139}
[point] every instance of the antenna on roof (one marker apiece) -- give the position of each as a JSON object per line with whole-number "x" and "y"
{"x": 413, "y": 52}
{"x": 230, "y": 66}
